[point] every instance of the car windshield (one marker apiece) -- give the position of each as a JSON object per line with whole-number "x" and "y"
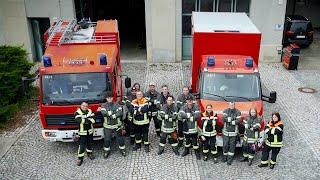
{"x": 61, "y": 89}
{"x": 230, "y": 86}
{"x": 298, "y": 26}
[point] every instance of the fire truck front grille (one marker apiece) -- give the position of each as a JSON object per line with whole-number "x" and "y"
{"x": 67, "y": 119}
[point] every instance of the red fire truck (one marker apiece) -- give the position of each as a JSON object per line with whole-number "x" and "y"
{"x": 81, "y": 63}
{"x": 225, "y": 64}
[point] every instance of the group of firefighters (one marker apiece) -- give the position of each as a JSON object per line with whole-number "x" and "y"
{"x": 181, "y": 123}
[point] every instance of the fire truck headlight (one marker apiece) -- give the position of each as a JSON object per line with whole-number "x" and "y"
{"x": 50, "y": 134}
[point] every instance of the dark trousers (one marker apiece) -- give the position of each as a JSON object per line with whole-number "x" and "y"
{"x": 141, "y": 134}
{"x": 180, "y": 130}
{"x": 85, "y": 144}
{"x": 129, "y": 127}
{"x": 107, "y": 138}
{"x": 191, "y": 139}
{"x": 210, "y": 145}
{"x": 172, "y": 139}
{"x": 229, "y": 145}
{"x": 156, "y": 121}
{"x": 247, "y": 149}
{"x": 265, "y": 154}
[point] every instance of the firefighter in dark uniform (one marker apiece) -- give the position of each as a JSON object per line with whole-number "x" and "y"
{"x": 112, "y": 114}
{"x": 151, "y": 95}
{"x": 189, "y": 115}
{"x": 231, "y": 118}
{"x": 139, "y": 110}
{"x": 169, "y": 116}
{"x": 274, "y": 133}
{"x": 251, "y": 135}
{"x": 181, "y": 101}
{"x": 162, "y": 97}
{"x": 85, "y": 118}
{"x": 207, "y": 129}
{"x": 127, "y": 100}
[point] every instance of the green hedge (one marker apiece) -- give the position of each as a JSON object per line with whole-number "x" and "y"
{"x": 13, "y": 66}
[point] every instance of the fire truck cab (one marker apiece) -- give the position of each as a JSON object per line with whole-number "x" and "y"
{"x": 81, "y": 64}
{"x": 225, "y": 64}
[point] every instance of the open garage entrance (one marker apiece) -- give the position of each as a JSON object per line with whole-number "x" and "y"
{"x": 309, "y": 57}
{"x": 131, "y": 20}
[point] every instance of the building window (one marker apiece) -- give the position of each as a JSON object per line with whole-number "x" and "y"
{"x": 242, "y": 6}
{"x": 225, "y": 5}
{"x": 188, "y": 6}
{"x": 207, "y": 5}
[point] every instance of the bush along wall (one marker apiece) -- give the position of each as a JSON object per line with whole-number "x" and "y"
{"x": 14, "y": 66}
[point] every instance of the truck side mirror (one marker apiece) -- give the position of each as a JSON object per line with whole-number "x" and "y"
{"x": 127, "y": 82}
{"x": 273, "y": 97}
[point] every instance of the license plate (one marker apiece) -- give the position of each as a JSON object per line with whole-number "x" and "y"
{"x": 300, "y": 37}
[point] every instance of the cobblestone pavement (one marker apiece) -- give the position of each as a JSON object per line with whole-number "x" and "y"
{"x": 31, "y": 157}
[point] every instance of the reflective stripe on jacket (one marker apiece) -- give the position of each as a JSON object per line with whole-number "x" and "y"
{"x": 274, "y": 134}
{"x": 85, "y": 120}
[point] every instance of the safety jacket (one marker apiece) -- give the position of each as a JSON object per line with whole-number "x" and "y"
{"x": 112, "y": 115}
{"x": 181, "y": 100}
{"x": 274, "y": 132}
{"x": 169, "y": 116}
{"x": 162, "y": 99}
{"x": 139, "y": 111}
{"x": 231, "y": 118}
{"x": 207, "y": 125}
{"x": 85, "y": 119}
{"x": 189, "y": 117}
{"x": 252, "y": 127}
{"x": 152, "y": 102}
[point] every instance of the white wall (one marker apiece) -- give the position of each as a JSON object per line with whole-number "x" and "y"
{"x": 13, "y": 23}
{"x": 14, "y": 26}
{"x": 266, "y": 14}
{"x": 160, "y": 30}
{"x": 50, "y": 8}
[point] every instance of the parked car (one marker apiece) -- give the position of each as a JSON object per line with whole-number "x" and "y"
{"x": 298, "y": 29}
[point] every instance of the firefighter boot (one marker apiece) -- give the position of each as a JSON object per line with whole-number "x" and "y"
{"x": 185, "y": 152}
{"x": 106, "y": 154}
{"x": 136, "y": 146}
{"x": 79, "y": 162}
{"x": 250, "y": 161}
{"x": 91, "y": 156}
{"x": 271, "y": 166}
{"x": 205, "y": 156}
{"x": 123, "y": 152}
{"x": 224, "y": 158}
{"x": 230, "y": 158}
{"x": 146, "y": 148}
{"x": 197, "y": 152}
{"x": 161, "y": 149}
{"x": 176, "y": 151}
{"x": 215, "y": 160}
{"x": 244, "y": 159}
{"x": 180, "y": 143}
{"x": 262, "y": 165}
{"x": 131, "y": 140}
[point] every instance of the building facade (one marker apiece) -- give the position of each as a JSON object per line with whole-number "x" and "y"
{"x": 167, "y": 23}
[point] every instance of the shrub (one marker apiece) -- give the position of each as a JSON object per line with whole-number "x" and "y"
{"x": 13, "y": 66}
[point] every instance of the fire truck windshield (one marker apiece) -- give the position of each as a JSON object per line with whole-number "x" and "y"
{"x": 230, "y": 87}
{"x": 65, "y": 89}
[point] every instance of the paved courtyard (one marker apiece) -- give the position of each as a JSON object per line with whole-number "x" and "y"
{"x": 31, "y": 157}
